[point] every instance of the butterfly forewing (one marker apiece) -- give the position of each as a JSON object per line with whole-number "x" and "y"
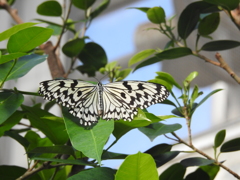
{"x": 118, "y": 100}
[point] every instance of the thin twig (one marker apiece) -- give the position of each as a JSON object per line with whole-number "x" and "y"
{"x": 205, "y": 155}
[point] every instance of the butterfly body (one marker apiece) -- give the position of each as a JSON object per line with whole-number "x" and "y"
{"x": 89, "y": 102}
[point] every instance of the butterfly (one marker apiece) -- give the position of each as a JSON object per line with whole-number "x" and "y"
{"x": 117, "y": 100}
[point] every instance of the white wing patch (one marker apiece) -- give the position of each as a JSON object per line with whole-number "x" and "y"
{"x": 89, "y": 102}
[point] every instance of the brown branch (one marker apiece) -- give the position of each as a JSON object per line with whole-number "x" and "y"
{"x": 11, "y": 11}
{"x": 54, "y": 62}
{"x": 205, "y": 155}
{"x": 226, "y": 67}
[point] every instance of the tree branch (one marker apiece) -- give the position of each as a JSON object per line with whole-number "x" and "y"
{"x": 205, "y": 155}
{"x": 11, "y": 11}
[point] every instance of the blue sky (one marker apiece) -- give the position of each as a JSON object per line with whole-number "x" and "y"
{"x": 115, "y": 33}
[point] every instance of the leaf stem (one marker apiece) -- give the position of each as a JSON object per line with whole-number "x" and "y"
{"x": 14, "y": 63}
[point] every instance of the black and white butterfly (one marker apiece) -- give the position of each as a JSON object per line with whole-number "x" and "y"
{"x": 89, "y": 102}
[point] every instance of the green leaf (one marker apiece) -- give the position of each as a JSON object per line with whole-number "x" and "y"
{"x": 140, "y": 56}
{"x": 53, "y": 129}
{"x": 93, "y": 58}
{"x": 54, "y": 149}
{"x": 168, "y": 78}
{"x": 143, "y": 119}
{"x": 166, "y": 54}
{"x": 27, "y": 39}
{"x": 194, "y": 95}
{"x": 22, "y": 67}
{"x": 74, "y": 47}
{"x": 189, "y": 78}
{"x": 143, "y": 9}
{"x": 156, "y": 15}
{"x": 190, "y": 16}
{"x": 199, "y": 174}
{"x": 11, "y": 121}
{"x": 8, "y": 33}
{"x": 220, "y": 45}
{"x": 56, "y": 29}
{"x": 230, "y": 5}
{"x": 104, "y": 4}
{"x": 211, "y": 170}
{"x": 174, "y": 172}
{"x": 209, "y": 24}
{"x": 111, "y": 155}
{"x": 219, "y": 138}
{"x": 89, "y": 142}
{"x": 9, "y": 102}
{"x": 196, "y": 161}
{"x": 95, "y": 173}
{"x": 123, "y": 74}
{"x": 138, "y": 166}
{"x": 49, "y": 105}
{"x": 67, "y": 161}
{"x": 50, "y": 8}
{"x": 83, "y": 4}
{"x": 159, "y": 149}
{"x": 232, "y": 145}
{"x": 174, "y": 53}
{"x": 154, "y": 130}
{"x": 14, "y": 172}
{"x": 12, "y": 56}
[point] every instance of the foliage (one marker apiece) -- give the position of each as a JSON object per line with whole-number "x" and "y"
{"x": 66, "y": 145}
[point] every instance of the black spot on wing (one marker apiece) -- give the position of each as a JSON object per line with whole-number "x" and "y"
{"x": 123, "y": 95}
{"x": 129, "y": 87}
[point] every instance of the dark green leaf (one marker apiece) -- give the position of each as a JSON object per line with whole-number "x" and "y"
{"x": 190, "y": 17}
{"x": 136, "y": 163}
{"x": 174, "y": 172}
{"x": 159, "y": 149}
{"x": 174, "y": 53}
{"x": 53, "y": 129}
{"x": 219, "y": 138}
{"x": 83, "y": 4}
{"x": 9, "y": 102}
{"x": 232, "y": 145}
{"x": 147, "y": 62}
{"x": 50, "y": 8}
{"x": 6, "y": 34}
{"x": 156, "y": 15}
{"x": 56, "y": 29}
{"x": 101, "y": 173}
{"x": 163, "y": 158}
{"x": 11, "y": 121}
{"x": 220, "y": 45}
{"x": 211, "y": 170}
{"x": 89, "y": 141}
{"x": 14, "y": 172}
{"x": 209, "y": 24}
{"x": 21, "y": 140}
{"x": 28, "y": 39}
{"x": 140, "y": 56}
{"x": 154, "y": 130}
{"x": 199, "y": 174}
{"x": 9, "y": 57}
{"x": 93, "y": 58}
{"x": 49, "y": 105}
{"x": 177, "y": 112}
{"x": 196, "y": 161}
{"x": 111, "y": 155}
{"x": 230, "y": 5}
{"x": 74, "y": 47}
{"x": 54, "y": 149}
{"x": 104, "y": 4}
{"x": 66, "y": 161}
{"x": 22, "y": 67}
